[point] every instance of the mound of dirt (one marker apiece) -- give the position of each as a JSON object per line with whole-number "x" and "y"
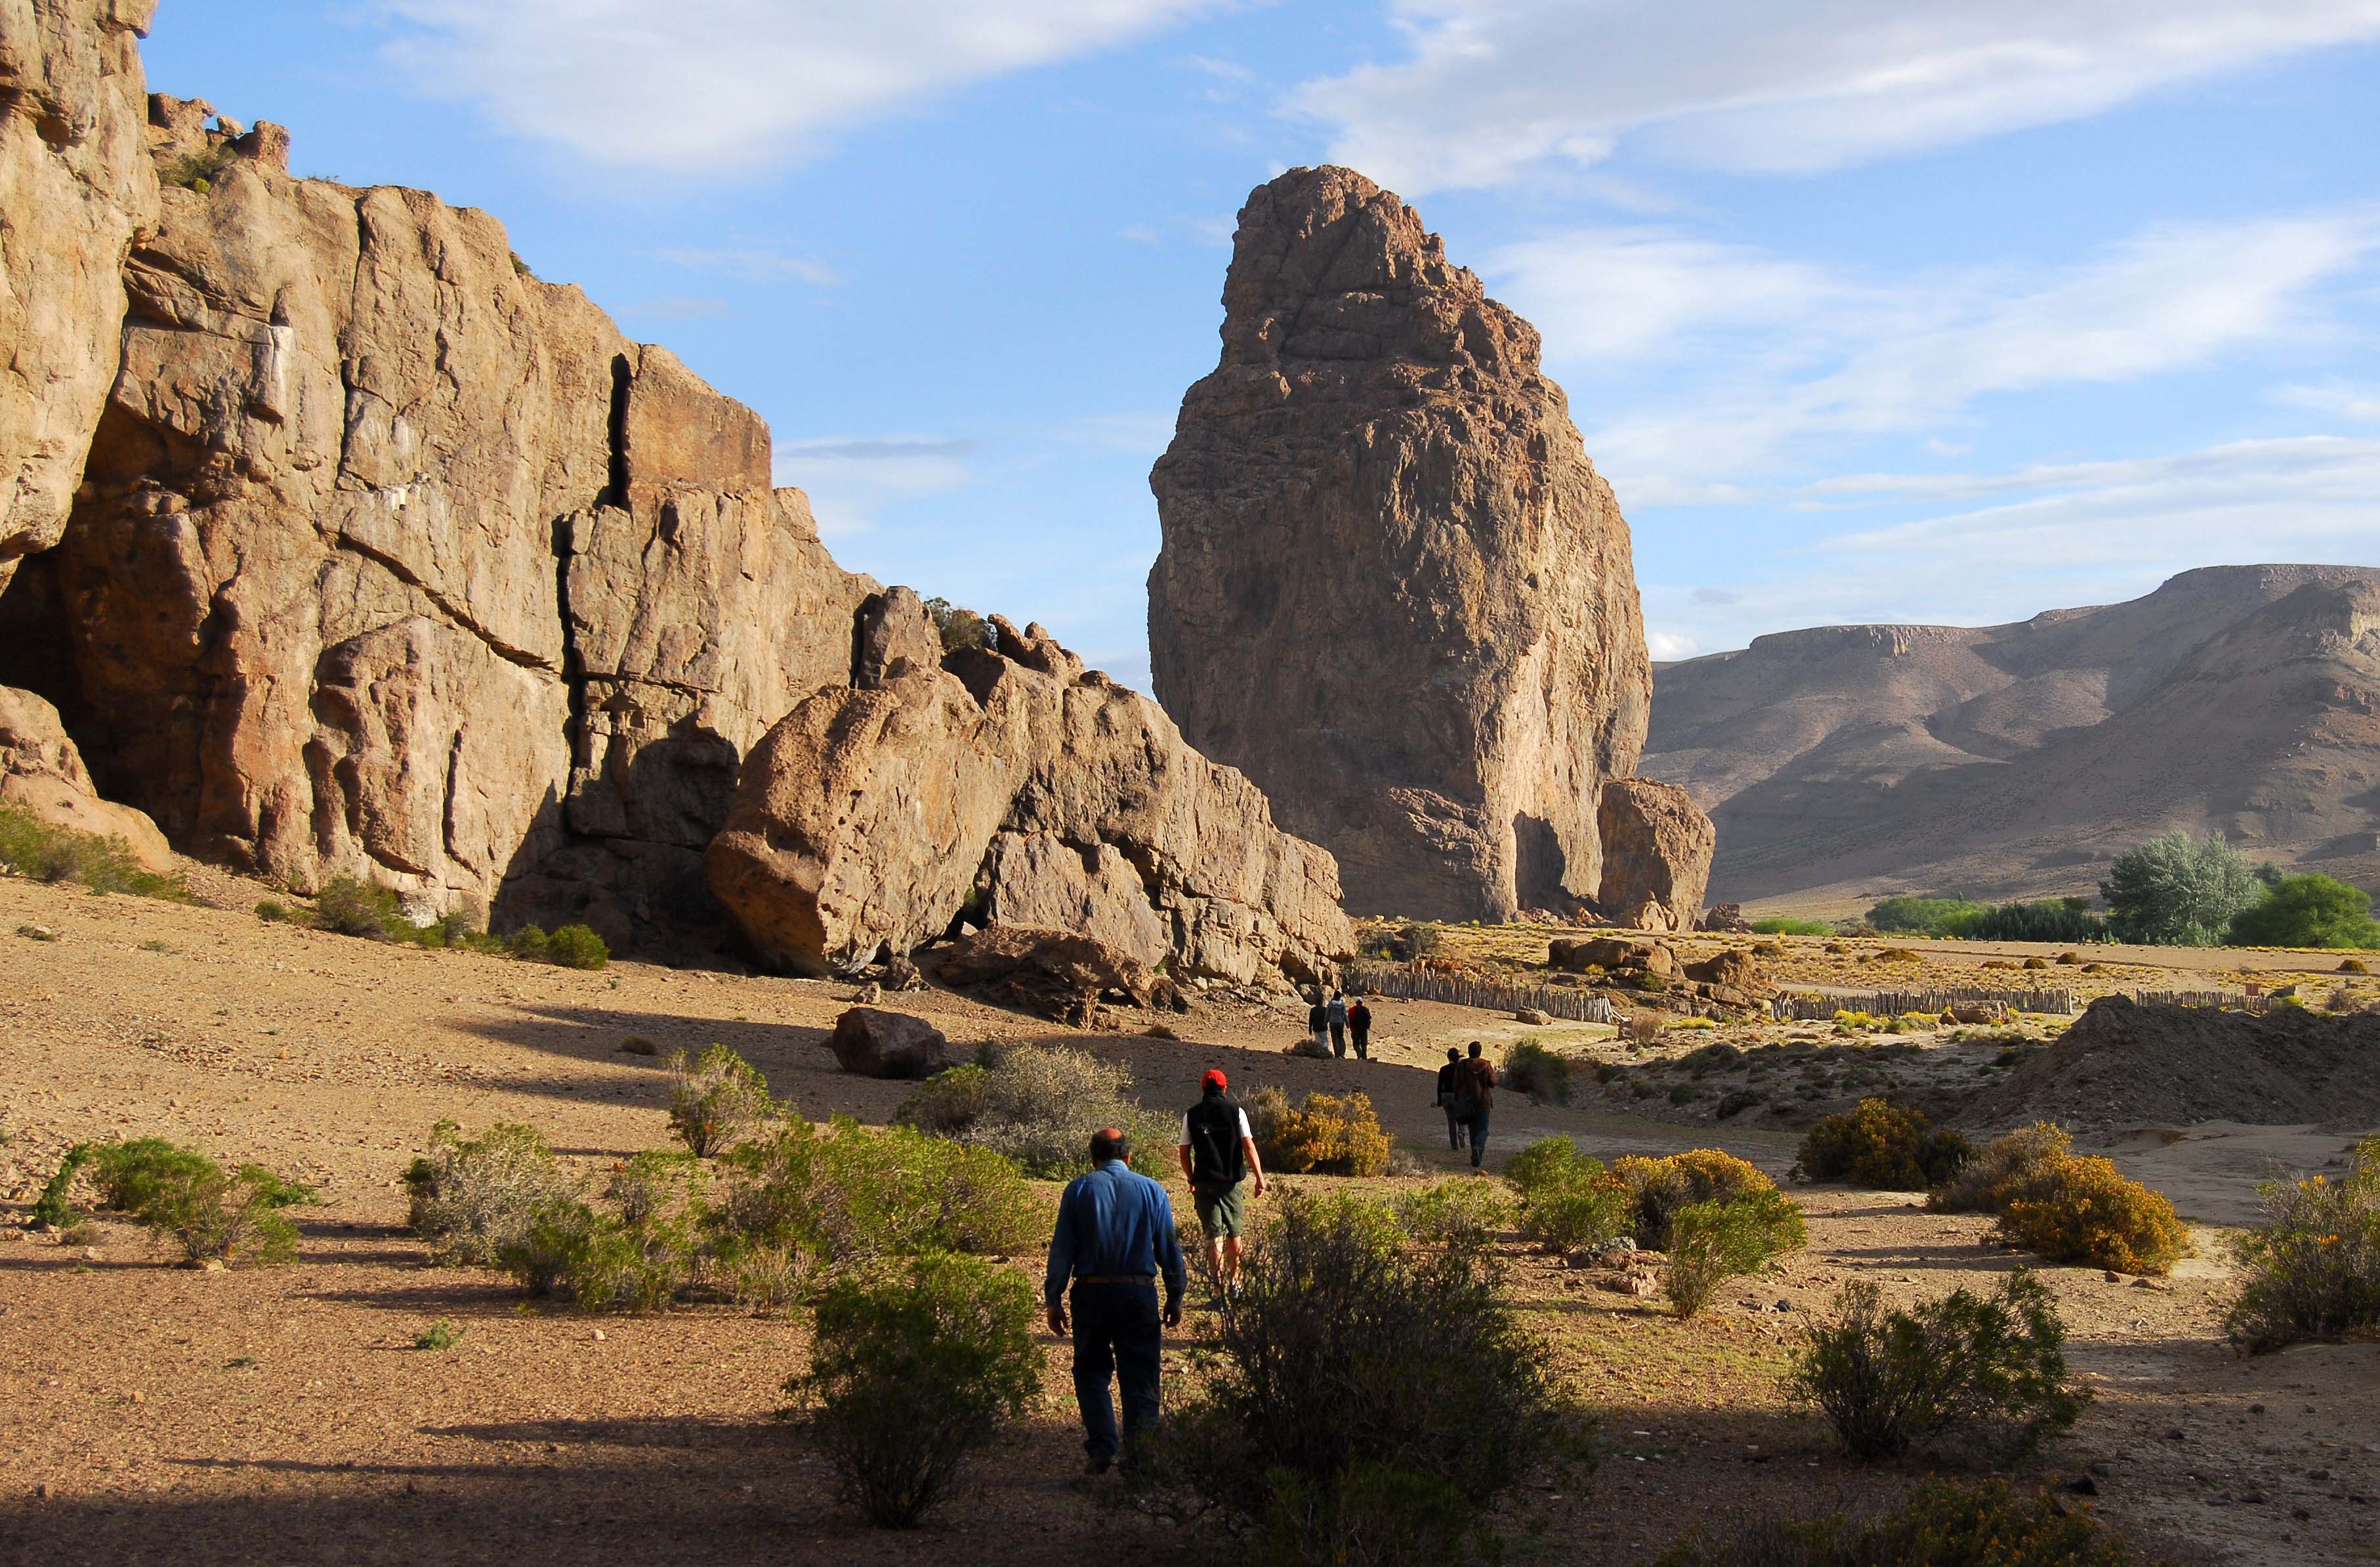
{"x": 2123, "y": 1064}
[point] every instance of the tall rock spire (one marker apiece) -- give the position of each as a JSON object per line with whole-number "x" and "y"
{"x": 1394, "y": 590}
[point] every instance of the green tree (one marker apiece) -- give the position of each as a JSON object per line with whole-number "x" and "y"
{"x": 2308, "y": 911}
{"x": 2179, "y": 891}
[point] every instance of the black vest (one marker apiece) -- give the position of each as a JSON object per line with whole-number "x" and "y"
{"x": 1216, "y": 1156}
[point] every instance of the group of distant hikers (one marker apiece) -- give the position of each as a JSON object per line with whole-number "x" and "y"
{"x": 1115, "y": 1240}
{"x": 1333, "y": 1022}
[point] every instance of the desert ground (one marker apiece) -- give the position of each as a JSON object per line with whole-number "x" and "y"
{"x": 150, "y": 1413}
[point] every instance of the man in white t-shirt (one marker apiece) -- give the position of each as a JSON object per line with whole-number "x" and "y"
{"x": 1219, "y": 1158}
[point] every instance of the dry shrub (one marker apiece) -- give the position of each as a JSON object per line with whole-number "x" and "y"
{"x": 2009, "y": 1167}
{"x": 1712, "y": 1242}
{"x": 1658, "y": 1188}
{"x": 911, "y": 1373}
{"x": 1942, "y": 1525}
{"x": 1039, "y": 1106}
{"x": 33, "y": 849}
{"x": 1568, "y": 1199}
{"x": 1882, "y": 1146}
{"x": 1368, "y": 1404}
{"x": 1321, "y": 1135}
{"x": 1530, "y": 1068}
{"x": 2312, "y": 1270}
{"x": 1641, "y": 1027}
{"x": 472, "y": 1199}
{"x": 716, "y": 1100}
{"x": 1456, "y": 1213}
{"x": 1967, "y": 1367}
{"x": 2085, "y": 1210}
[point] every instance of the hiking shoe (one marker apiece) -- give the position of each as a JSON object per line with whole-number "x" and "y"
{"x": 1097, "y": 1466}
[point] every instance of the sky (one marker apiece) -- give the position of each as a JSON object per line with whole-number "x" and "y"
{"x": 1934, "y": 311}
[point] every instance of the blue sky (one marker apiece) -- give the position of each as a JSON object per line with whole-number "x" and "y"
{"x": 1869, "y": 309}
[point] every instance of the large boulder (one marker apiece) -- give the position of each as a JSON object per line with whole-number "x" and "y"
{"x": 1733, "y": 969}
{"x": 1392, "y": 588}
{"x": 1060, "y": 974}
{"x": 393, "y": 560}
{"x": 1657, "y": 855}
{"x": 1012, "y": 787}
{"x": 76, "y": 184}
{"x": 42, "y": 772}
{"x": 872, "y": 1042}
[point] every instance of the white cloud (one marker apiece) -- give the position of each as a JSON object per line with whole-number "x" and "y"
{"x": 1782, "y": 353}
{"x": 1493, "y": 89}
{"x": 851, "y": 479}
{"x": 1666, "y": 646}
{"x": 712, "y": 86}
{"x": 2059, "y": 535}
{"x": 2344, "y": 399}
{"x": 753, "y": 264}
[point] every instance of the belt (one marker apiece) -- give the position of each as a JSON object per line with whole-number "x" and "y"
{"x": 1131, "y": 1279}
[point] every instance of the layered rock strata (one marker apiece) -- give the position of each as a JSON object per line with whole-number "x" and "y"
{"x": 392, "y": 560}
{"x": 1392, "y": 588}
{"x": 1015, "y": 789}
{"x": 75, "y": 187}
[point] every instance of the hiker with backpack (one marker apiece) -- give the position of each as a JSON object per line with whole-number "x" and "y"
{"x": 1449, "y": 1097}
{"x": 1219, "y": 1158}
{"x": 1359, "y": 1029}
{"x": 1475, "y": 1096}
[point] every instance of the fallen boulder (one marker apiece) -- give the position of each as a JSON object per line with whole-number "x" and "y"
{"x": 1733, "y": 969}
{"x": 873, "y": 1043}
{"x": 42, "y": 772}
{"x": 1052, "y": 974}
{"x": 1656, "y": 854}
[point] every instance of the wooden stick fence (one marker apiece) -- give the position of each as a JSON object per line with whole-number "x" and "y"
{"x": 2237, "y": 1000}
{"x": 1407, "y": 985}
{"x": 1892, "y": 1004}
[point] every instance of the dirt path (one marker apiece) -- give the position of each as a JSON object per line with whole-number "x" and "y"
{"x": 159, "y": 1414}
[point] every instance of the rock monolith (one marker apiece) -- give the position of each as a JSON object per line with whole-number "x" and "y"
{"x": 1392, "y": 590}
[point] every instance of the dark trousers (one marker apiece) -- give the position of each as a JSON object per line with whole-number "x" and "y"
{"x": 1478, "y": 1122}
{"x": 1453, "y": 1127}
{"x": 1339, "y": 1039}
{"x": 1363, "y": 1044}
{"x": 1116, "y": 1334}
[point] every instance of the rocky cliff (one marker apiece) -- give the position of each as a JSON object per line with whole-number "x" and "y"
{"x": 74, "y": 185}
{"x": 1392, "y": 588}
{"x": 1012, "y": 788}
{"x": 1847, "y": 762}
{"x": 392, "y": 560}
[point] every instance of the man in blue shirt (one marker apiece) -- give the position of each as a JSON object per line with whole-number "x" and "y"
{"x": 1114, "y": 1237}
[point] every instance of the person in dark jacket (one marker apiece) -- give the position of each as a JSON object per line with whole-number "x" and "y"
{"x": 1359, "y": 1029}
{"x": 1219, "y": 1158}
{"x": 1448, "y": 1096}
{"x": 1337, "y": 1015}
{"x": 1114, "y": 1239}
{"x": 1475, "y": 1096}
{"x": 1318, "y": 1023}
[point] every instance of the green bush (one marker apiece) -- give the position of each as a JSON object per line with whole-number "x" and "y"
{"x": 198, "y": 171}
{"x": 1712, "y": 1242}
{"x": 913, "y": 1372}
{"x": 1039, "y": 1106}
{"x": 1992, "y": 1370}
{"x": 2052, "y": 920}
{"x": 716, "y": 1100}
{"x": 32, "y": 848}
{"x": 473, "y": 1199}
{"x": 2014, "y": 1165}
{"x": 54, "y": 1209}
{"x": 212, "y": 1214}
{"x": 1547, "y": 1160}
{"x": 799, "y": 1203}
{"x": 1780, "y": 925}
{"x": 2312, "y": 1269}
{"x": 1457, "y": 1212}
{"x": 2085, "y": 1210}
{"x": 960, "y": 627}
{"x": 348, "y": 905}
{"x": 2307, "y": 911}
{"x": 576, "y": 946}
{"x": 1358, "y": 1391}
{"x": 1568, "y": 1199}
{"x": 529, "y": 943}
{"x": 1530, "y": 1068}
{"x": 2179, "y": 891}
{"x": 1923, "y": 917}
{"x": 601, "y": 1262}
{"x": 1881, "y": 1146}
{"x": 1413, "y": 939}
{"x": 1658, "y": 1188}
{"x": 439, "y": 1336}
{"x": 1942, "y": 1525}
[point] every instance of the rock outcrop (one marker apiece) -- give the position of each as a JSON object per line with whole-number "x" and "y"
{"x": 1014, "y": 788}
{"x": 74, "y": 185}
{"x": 392, "y": 560}
{"x": 42, "y": 772}
{"x": 1393, "y": 590}
{"x": 1657, "y": 855}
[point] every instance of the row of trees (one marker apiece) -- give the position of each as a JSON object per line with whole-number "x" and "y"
{"x": 2175, "y": 890}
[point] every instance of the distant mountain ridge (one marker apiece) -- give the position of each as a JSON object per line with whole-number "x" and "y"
{"x": 1844, "y": 763}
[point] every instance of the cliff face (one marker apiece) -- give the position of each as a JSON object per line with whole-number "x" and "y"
{"x": 1854, "y": 762}
{"x": 1393, "y": 590}
{"x": 74, "y": 185}
{"x": 394, "y": 560}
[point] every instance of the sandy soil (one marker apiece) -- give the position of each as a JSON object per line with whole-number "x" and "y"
{"x": 159, "y": 1414}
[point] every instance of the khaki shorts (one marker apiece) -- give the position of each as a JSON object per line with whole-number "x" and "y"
{"x": 1222, "y": 1211}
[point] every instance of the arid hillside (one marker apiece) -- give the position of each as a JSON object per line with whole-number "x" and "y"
{"x": 1846, "y": 762}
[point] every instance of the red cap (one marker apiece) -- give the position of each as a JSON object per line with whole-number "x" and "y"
{"x": 1215, "y": 1079}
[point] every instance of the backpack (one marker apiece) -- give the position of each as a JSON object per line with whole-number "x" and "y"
{"x": 1216, "y": 1156}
